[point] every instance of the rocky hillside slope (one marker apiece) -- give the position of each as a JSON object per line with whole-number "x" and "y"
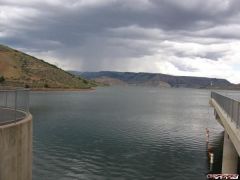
{"x": 20, "y": 69}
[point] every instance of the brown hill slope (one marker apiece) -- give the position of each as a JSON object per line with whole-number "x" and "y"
{"x": 20, "y": 69}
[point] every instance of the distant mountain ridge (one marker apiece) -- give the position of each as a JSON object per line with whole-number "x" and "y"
{"x": 20, "y": 69}
{"x": 157, "y": 79}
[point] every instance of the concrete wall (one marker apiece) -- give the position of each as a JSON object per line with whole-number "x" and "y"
{"x": 16, "y": 150}
{"x": 230, "y": 156}
{"x": 228, "y": 125}
{"x": 231, "y": 148}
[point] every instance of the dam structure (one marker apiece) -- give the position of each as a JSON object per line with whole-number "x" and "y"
{"x": 227, "y": 113}
{"x": 15, "y": 135}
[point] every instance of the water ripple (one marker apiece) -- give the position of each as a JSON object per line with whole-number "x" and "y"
{"x": 158, "y": 136}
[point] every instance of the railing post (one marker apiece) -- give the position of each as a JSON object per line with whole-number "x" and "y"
{"x": 237, "y": 123}
{"x": 6, "y": 98}
{"x": 235, "y": 112}
{"x": 15, "y": 108}
{"x": 28, "y": 100}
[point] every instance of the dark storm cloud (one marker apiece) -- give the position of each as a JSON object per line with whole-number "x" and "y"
{"x": 93, "y": 34}
{"x": 184, "y": 67}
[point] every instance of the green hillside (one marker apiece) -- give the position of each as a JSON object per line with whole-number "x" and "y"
{"x": 20, "y": 69}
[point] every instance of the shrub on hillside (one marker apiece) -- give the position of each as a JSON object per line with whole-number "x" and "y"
{"x": 2, "y": 79}
{"x": 85, "y": 81}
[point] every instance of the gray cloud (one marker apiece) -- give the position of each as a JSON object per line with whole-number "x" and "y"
{"x": 126, "y": 35}
{"x": 184, "y": 67}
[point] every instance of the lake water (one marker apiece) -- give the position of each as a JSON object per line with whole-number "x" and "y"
{"x": 124, "y": 133}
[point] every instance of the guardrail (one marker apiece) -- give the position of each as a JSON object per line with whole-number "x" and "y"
{"x": 14, "y": 105}
{"x": 229, "y": 105}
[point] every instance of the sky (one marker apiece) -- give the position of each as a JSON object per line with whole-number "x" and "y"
{"x": 178, "y": 37}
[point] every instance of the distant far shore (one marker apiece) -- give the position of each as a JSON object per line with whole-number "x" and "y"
{"x": 61, "y": 89}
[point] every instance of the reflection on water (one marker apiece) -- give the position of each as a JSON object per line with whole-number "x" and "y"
{"x": 217, "y": 146}
{"x": 124, "y": 133}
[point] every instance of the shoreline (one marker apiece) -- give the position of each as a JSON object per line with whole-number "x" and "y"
{"x": 61, "y": 90}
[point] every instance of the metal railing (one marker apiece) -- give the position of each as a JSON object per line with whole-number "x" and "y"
{"x": 14, "y": 105}
{"x": 229, "y": 105}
